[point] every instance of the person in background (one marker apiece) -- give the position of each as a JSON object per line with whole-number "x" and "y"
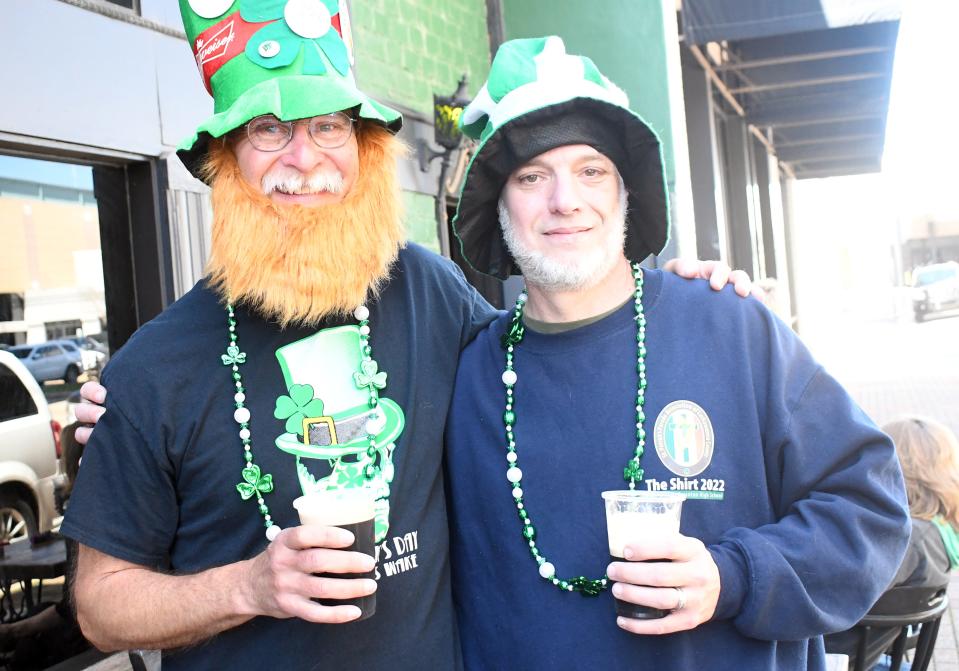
{"x": 929, "y": 454}
{"x": 72, "y": 450}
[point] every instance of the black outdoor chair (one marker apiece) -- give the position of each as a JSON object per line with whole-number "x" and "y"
{"x": 916, "y": 613}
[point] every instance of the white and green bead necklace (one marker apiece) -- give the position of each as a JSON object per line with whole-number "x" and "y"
{"x": 631, "y": 473}
{"x": 255, "y": 483}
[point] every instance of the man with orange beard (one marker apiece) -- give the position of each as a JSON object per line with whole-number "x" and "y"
{"x": 318, "y": 354}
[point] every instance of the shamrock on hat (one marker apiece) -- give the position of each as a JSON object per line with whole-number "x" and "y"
{"x": 299, "y": 26}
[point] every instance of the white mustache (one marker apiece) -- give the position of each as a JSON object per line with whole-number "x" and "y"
{"x": 293, "y": 181}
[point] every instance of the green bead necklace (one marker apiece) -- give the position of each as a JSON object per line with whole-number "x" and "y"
{"x": 255, "y": 483}
{"x": 633, "y": 471}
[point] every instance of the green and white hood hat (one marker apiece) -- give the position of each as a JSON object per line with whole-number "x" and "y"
{"x": 538, "y": 98}
{"x": 289, "y": 58}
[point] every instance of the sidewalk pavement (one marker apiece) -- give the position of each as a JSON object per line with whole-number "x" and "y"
{"x": 946, "y": 655}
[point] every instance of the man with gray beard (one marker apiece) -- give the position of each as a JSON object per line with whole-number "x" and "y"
{"x": 542, "y": 270}
{"x": 607, "y": 375}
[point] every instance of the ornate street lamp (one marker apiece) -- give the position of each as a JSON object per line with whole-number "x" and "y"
{"x": 446, "y": 133}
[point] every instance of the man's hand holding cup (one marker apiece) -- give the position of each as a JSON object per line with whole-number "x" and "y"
{"x": 673, "y": 573}
{"x": 663, "y": 581}
{"x": 321, "y": 571}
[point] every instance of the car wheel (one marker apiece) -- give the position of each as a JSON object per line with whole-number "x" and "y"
{"x": 17, "y": 521}
{"x": 71, "y": 375}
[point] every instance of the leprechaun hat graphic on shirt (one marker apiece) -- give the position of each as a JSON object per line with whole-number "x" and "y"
{"x": 341, "y": 431}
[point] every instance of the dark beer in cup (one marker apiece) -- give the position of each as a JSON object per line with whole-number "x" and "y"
{"x": 631, "y": 516}
{"x": 635, "y": 610}
{"x": 353, "y": 510}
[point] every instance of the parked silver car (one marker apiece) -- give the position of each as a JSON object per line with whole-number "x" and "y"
{"x": 29, "y": 454}
{"x": 51, "y": 360}
{"x": 94, "y": 353}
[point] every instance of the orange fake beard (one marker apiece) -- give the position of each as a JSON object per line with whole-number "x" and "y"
{"x": 297, "y": 264}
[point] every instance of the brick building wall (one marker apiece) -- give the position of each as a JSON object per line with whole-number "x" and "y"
{"x": 408, "y": 49}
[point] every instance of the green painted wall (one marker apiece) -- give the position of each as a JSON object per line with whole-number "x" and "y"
{"x": 421, "y": 219}
{"x": 626, "y": 40}
{"x": 406, "y": 50}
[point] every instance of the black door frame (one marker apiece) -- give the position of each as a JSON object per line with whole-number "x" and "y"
{"x": 135, "y": 242}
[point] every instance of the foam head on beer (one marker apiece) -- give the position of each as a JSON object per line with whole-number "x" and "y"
{"x": 351, "y": 509}
{"x": 339, "y": 507}
{"x": 632, "y": 516}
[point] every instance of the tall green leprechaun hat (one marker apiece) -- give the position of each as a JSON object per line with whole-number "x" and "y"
{"x": 538, "y": 98}
{"x": 289, "y": 58}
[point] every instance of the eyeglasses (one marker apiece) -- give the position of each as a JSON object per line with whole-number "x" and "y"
{"x": 267, "y": 133}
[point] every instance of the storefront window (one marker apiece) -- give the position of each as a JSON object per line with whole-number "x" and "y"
{"x": 51, "y": 274}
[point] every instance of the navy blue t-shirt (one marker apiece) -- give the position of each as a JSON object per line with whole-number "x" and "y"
{"x": 795, "y": 492}
{"x": 158, "y": 485}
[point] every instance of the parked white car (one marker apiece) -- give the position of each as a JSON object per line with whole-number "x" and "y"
{"x": 936, "y": 289}
{"x": 51, "y": 360}
{"x": 29, "y": 454}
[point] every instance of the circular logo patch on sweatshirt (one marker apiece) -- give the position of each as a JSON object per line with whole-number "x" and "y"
{"x": 684, "y": 438}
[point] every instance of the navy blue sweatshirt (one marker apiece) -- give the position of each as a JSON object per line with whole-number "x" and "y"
{"x": 796, "y": 494}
